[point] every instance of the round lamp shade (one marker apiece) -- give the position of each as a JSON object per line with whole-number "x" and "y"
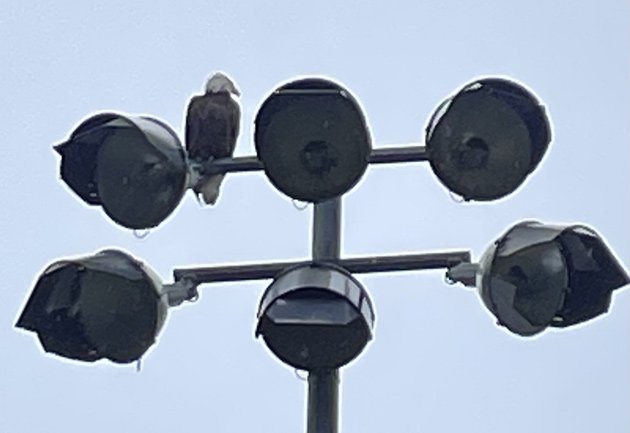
{"x": 484, "y": 141}
{"x": 313, "y": 139}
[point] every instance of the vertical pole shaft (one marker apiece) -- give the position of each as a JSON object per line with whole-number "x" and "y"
{"x": 323, "y": 401}
{"x": 323, "y": 385}
{"x": 327, "y": 229}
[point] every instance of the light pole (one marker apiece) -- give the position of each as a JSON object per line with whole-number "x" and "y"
{"x": 323, "y": 384}
{"x": 314, "y": 145}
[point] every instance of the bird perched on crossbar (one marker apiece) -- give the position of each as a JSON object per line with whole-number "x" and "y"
{"x": 212, "y": 127}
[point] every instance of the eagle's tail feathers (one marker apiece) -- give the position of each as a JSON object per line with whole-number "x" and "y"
{"x": 209, "y": 188}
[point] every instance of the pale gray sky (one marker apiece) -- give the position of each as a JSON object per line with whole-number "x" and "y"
{"x": 437, "y": 363}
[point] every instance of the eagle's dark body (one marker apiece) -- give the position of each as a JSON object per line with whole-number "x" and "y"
{"x": 212, "y": 127}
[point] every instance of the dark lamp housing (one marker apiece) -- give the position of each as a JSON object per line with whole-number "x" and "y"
{"x": 107, "y": 305}
{"x": 315, "y": 316}
{"x": 539, "y": 275}
{"x": 313, "y": 139}
{"x": 484, "y": 141}
{"x": 133, "y": 166}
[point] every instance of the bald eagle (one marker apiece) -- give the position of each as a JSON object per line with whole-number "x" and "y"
{"x": 212, "y": 126}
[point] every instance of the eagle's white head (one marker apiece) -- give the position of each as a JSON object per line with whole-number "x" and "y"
{"x": 219, "y": 82}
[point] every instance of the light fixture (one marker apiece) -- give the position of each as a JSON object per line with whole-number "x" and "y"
{"x": 315, "y": 316}
{"x": 133, "y": 166}
{"x": 106, "y": 305}
{"x": 538, "y": 275}
{"x": 484, "y": 141}
{"x": 312, "y": 139}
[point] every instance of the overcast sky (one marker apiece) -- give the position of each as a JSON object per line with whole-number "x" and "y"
{"x": 437, "y": 363}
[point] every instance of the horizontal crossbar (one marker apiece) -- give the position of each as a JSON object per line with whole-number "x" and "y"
{"x": 386, "y": 155}
{"x": 359, "y": 265}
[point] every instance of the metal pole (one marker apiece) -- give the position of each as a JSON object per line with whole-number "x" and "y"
{"x": 323, "y": 401}
{"x": 355, "y": 265}
{"x": 385, "y": 155}
{"x": 327, "y": 230}
{"x": 323, "y": 385}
